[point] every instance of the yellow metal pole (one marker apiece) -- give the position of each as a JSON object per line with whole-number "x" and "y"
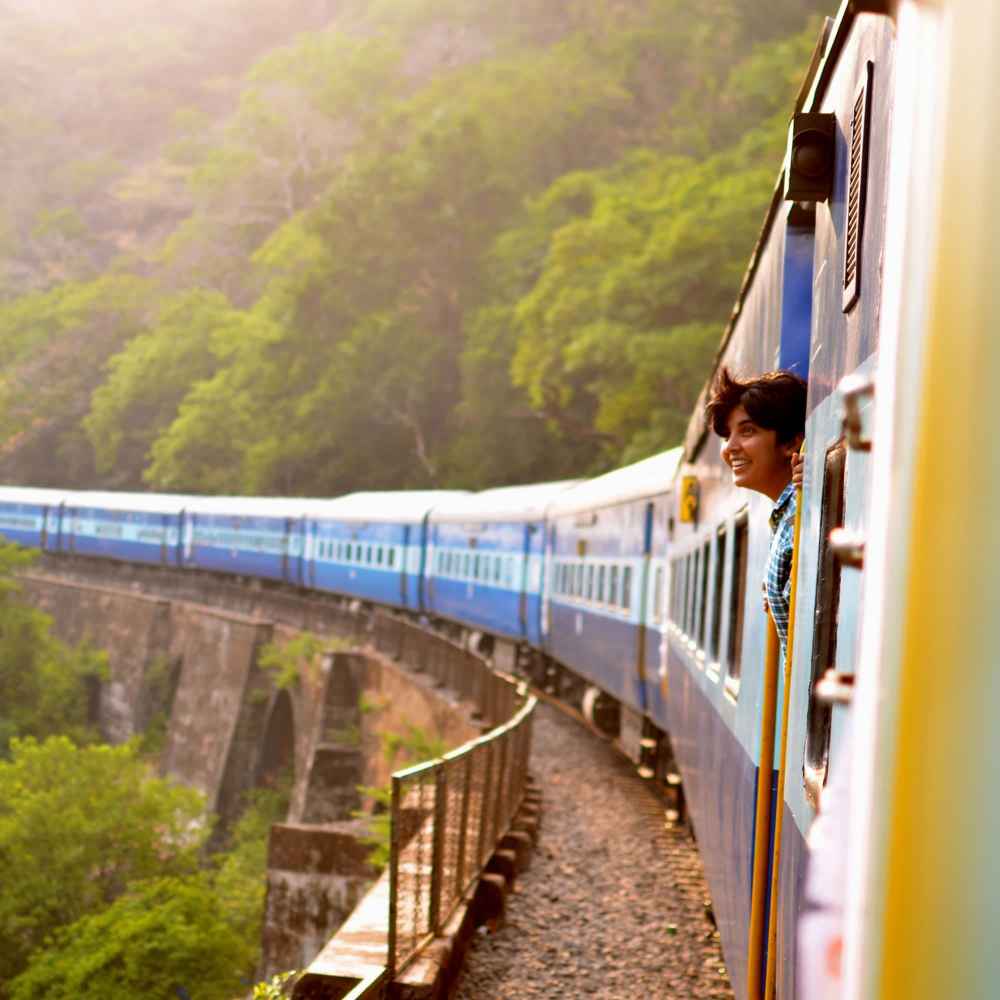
{"x": 762, "y": 821}
{"x": 772, "y": 920}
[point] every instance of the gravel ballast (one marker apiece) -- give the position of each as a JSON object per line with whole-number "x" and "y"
{"x": 613, "y": 905}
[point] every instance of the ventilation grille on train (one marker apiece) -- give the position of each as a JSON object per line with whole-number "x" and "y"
{"x": 856, "y": 185}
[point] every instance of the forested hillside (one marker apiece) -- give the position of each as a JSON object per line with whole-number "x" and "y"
{"x": 307, "y": 246}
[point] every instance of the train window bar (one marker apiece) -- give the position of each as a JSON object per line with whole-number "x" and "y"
{"x": 826, "y": 617}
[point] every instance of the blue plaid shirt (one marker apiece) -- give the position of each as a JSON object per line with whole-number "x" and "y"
{"x": 778, "y": 580}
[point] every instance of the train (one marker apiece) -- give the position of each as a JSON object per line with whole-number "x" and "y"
{"x": 636, "y": 595}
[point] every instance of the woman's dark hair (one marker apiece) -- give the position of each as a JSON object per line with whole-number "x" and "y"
{"x": 775, "y": 401}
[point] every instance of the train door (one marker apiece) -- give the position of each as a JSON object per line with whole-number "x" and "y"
{"x": 522, "y": 604}
{"x": 643, "y": 632}
{"x": 547, "y": 581}
{"x": 165, "y": 539}
{"x": 403, "y": 568}
{"x": 299, "y": 550}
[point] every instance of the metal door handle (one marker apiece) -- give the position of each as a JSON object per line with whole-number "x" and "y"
{"x": 852, "y": 389}
{"x": 834, "y": 688}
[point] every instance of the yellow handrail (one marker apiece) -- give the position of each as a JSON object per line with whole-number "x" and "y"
{"x": 772, "y": 919}
{"x": 762, "y": 821}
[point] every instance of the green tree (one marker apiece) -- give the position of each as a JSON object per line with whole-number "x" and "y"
{"x": 148, "y": 379}
{"x": 53, "y": 346}
{"x": 77, "y": 826}
{"x": 158, "y": 936}
{"x": 43, "y": 682}
{"x": 238, "y": 876}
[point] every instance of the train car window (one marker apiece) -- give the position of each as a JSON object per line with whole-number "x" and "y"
{"x": 578, "y": 587}
{"x": 826, "y": 616}
{"x": 657, "y": 593}
{"x": 350, "y": 550}
{"x": 627, "y": 588}
{"x": 510, "y": 571}
{"x": 590, "y": 582}
{"x": 368, "y": 555}
{"x": 496, "y": 569}
{"x": 392, "y": 557}
{"x": 692, "y": 605}
{"x": 475, "y": 567}
{"x": 706, "y": 551}
{"x": 718, "y": 579}
{"x": 694, "y": 561}
{"x": 601, "y": 572}
{"x": 737, "y": 594}
{"x": 378, "y": 556}
{"x": 613, "y": 586}
{"x": 466, "y": 562}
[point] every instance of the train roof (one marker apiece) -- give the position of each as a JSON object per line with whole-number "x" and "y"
{"x": 32, "y": 494}
{"x": 396, "y": 507}
{"x": 249, "y": 506}
{"x": 650, "y": 477}
{"x": 151, "y": 503}
{"x": 503, "y": 503}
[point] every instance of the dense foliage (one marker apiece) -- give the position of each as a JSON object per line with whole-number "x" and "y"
{"x": 77, "y": 825}
{"x": 433, "y": 243}
{"x": 44, "y": 684}
{"x": 108, "y": 889}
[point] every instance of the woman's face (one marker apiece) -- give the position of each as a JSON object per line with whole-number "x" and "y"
{"x": 758, "y": 461}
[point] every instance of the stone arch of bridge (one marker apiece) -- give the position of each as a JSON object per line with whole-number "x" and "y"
{"x": 276, "y": 760}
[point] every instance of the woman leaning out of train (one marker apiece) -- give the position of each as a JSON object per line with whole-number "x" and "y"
{"x": 762, "y": 423}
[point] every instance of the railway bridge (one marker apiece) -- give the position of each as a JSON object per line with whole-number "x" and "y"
{"x": 201, "y": 658}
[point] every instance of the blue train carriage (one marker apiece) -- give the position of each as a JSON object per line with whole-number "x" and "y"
{"x": 31, "y": 517}
{"x": 717, "y": 628}
{"x": 605, "y": 588}
{"x": 133, "y": 527}
{"x": 250, "y": 536}
{"x": 809, "y": 304}
{"x": 485, "y": 562}
{"x": 852, "y": 96}
{"x": 371, "y": 546}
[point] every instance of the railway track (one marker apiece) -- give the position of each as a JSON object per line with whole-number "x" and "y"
{"x": 615, "y": 903}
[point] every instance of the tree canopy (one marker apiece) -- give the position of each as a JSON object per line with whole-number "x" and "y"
{"x": 429, "y": 243}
